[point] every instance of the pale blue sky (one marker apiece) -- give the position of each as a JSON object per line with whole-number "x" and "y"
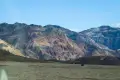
{"x": 76, "y": 15}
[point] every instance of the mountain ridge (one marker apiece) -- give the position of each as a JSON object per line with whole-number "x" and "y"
{"x": 55, "y": 42}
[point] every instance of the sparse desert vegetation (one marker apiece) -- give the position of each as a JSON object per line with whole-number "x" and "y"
{"x": 59, "y": 71}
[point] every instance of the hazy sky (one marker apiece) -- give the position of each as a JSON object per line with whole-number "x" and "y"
{"x": 76, "y": 15}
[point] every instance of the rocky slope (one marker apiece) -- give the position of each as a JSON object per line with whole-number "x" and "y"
{"x": 105, "y": 35}
{"x": 7, "y": 47}
{"x": 55, "y": 42}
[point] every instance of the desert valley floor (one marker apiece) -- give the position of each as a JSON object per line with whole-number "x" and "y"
{"x": 58, "y": 71}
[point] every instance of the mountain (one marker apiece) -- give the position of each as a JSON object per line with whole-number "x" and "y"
{"x": 35, "y": 41}
{"x": 55, "y": 42}
{"x": 105, "y": 35}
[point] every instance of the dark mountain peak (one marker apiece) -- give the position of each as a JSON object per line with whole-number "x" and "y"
{"x": 53, "y": 26}
{"x": 17, "y": 24}
{"x": 26, "y": 25}
{"x": 101, "y": 29}
{"x": 3, "y": 24}
{"x": 105, "y": 27}
{"x": 34, "y": 25}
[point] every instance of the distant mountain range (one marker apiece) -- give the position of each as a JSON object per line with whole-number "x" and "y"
{"x": 55, "y": 42}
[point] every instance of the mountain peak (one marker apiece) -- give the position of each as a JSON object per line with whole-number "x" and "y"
{"x": 52, "y": 26}
{"x": 105, "y": 27}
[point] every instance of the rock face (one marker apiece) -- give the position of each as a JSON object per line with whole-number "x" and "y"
{"x": 35, "y": 41}
{"x": 105, "y": 35}
{"x": 55, "y": 42}
{"x": 7, "y": 47}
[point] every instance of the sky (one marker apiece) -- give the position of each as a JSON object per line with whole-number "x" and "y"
{"x": 76, "y": 15}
